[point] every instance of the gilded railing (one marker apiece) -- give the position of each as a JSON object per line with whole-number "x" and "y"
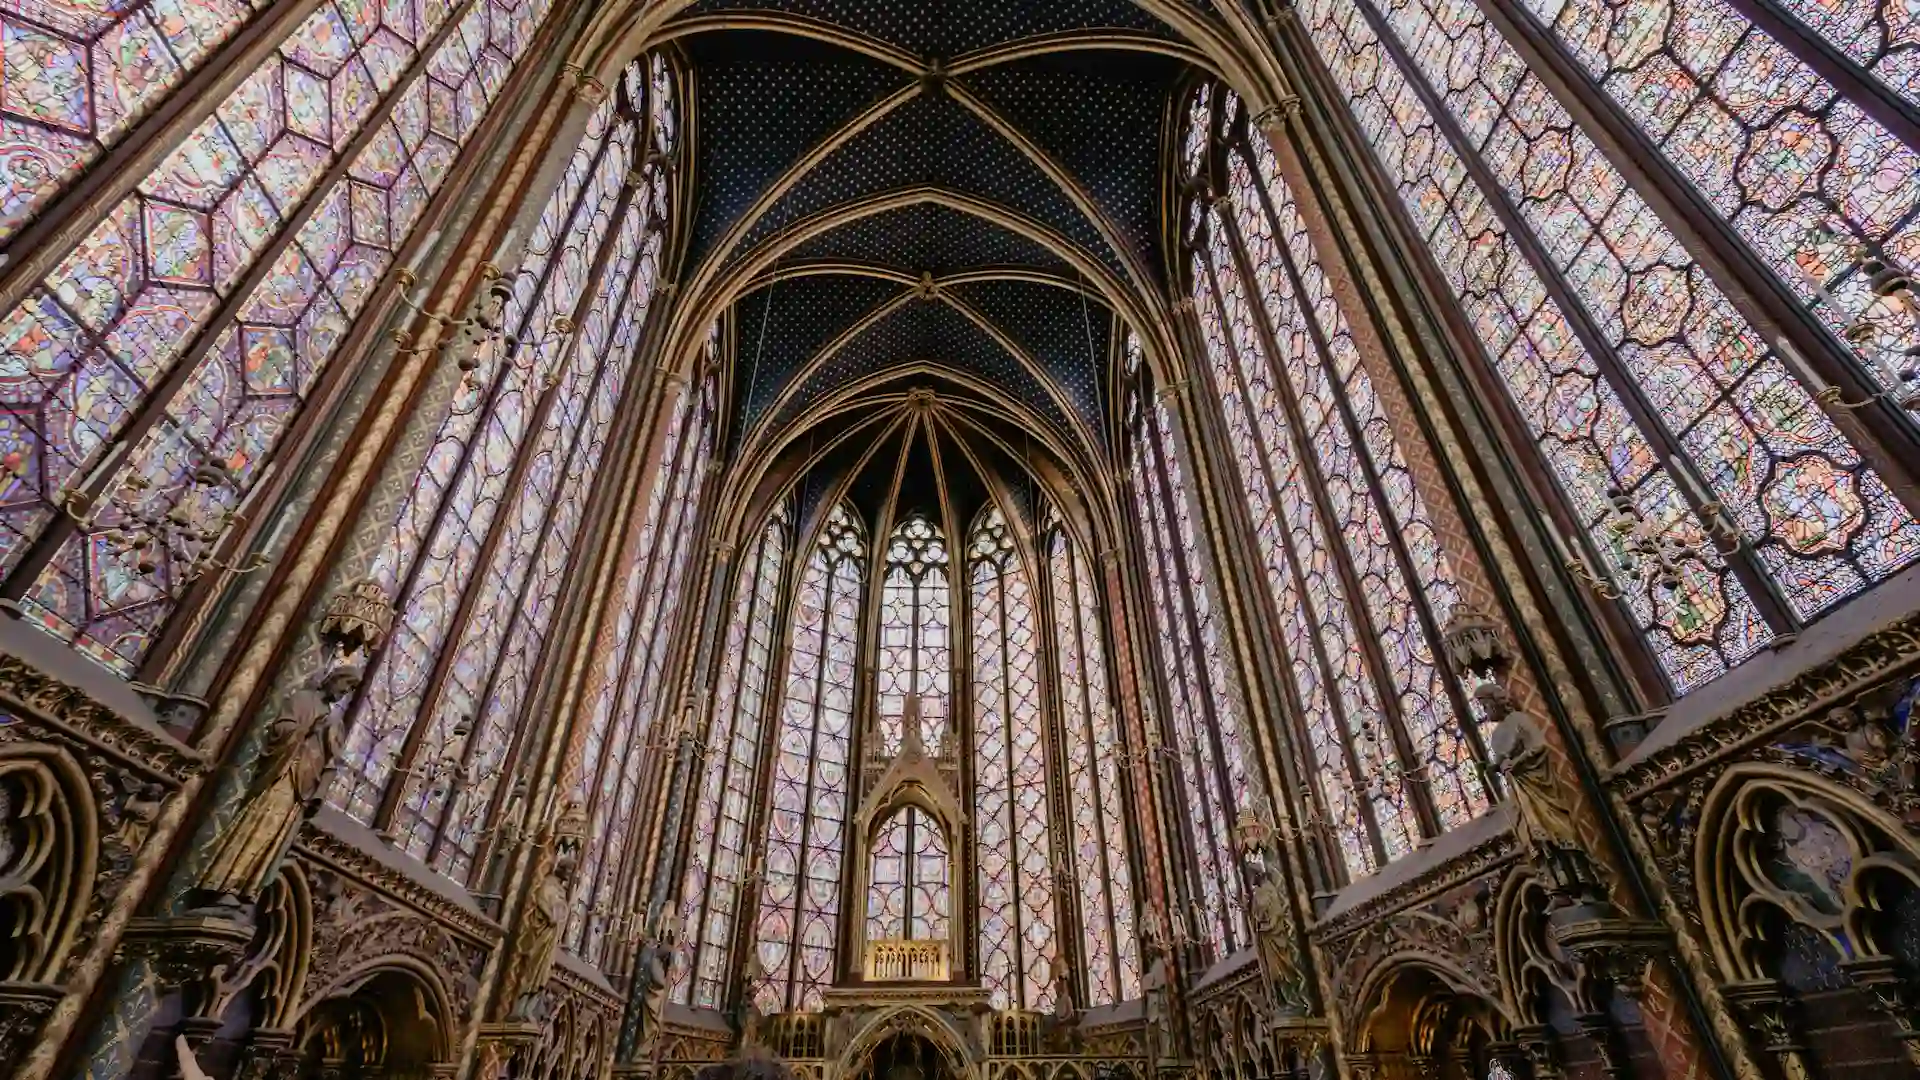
{"x": 907, "y": 960}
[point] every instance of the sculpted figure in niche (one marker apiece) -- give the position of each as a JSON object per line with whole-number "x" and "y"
{"x": 523, "y": 978}
{"x": 294, "y": 767}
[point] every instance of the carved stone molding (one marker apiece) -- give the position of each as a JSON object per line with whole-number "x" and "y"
{"x": 50, "y": 710}
{"x": 188, "y": 952}
{"x": 324, "y": 849}
{"x": 357, "y": 928}
{"x": 1873, "y": 659}
{"x": 1490, "y": 855}
{"x": 23, "y": 1008}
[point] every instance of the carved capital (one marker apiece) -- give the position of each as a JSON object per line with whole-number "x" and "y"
{"x": 269, "y": 1055}
{"x": 1772, "y": 1021}
{"x": 1612, "y": 953}
{"x": 357, "y": 618}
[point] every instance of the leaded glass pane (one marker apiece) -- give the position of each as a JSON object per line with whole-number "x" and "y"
{"x": 1017, "y": 925}
{"x": 797, "y": 926}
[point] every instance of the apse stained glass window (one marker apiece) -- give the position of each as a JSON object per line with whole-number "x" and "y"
{"x": 716, "y": 872}
{"x": 1203, "y": 739}
{"x": 1649, "y": 393}
{"x": 799, "y": 913}
{"x": 908, "y": 891}
{"x": 164, "y": 359}
{"x": 915, "y": 654}
{"x": 1096, "y": 795}
{"x": 1350, "y": 557}
{"x": 480, "y": 545}
{"x": 1015, "y": 855}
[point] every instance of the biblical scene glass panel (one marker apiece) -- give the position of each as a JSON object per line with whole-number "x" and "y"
{"x": 717, "y": 867}
{"x": 1700, "y": 455}
{"x": 164, "y": 361}
{"x": 1393, "y": 735}
{"x": 915, "y": 616}
{"x": 1203, "y": 736}
{"x": 796, "y": 932}
{"x": 479, "y": 548}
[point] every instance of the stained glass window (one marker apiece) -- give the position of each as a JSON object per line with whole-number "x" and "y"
{"x": 915, "y": 655}
{"x": 667, "y": 537}
{"x": 479, "y": 548}
{"x": 716, "y": 870}
{"x": 908, "y": 891}
{"x": 1650, "y": 394}
{"x": 1017, "y": 924}
{"x": 1096, "y": 794}
{"x": 1802, "y": 173}
{"x": 1355, "y": 570}
{"x": 159, "y": 365}
{"x": 1204, "y": 733}
{"x": 800, "y": 891}
{"x": 80, "y": 75}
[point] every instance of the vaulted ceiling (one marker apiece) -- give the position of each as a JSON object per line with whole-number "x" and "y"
{"x": 941, "y": 181}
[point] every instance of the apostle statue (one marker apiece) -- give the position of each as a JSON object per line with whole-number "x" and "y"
{"x": 1543, "y": 813}
{"x": 651, "y": 976}
{"x": 529, "y": 960}
{"x": 292, "y": 771}
{"x": 1269, "y": 911}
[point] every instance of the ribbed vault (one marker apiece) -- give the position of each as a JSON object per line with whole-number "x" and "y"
{"x": 966, "y": 191}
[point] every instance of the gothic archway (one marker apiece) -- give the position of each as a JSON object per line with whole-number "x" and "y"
{"x": 1810, "y": 899}
{"x": 392, "y": 1019}
{"x": 903, "y": 1035}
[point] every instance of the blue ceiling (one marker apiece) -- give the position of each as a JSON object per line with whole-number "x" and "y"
{"x": 1095, "y": 111}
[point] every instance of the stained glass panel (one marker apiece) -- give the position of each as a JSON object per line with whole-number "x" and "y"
{"x": 1204, "y": 700}
{"x": 76, "y": 75}
{"x": 716, "y": 868}
{"x": 796, "y": 929}
{"x": 1799, "y": 171}
{"x": 1095, "y": 792}
{"x": 1016, "y": 858}
{"x": 915, "y": 654}
{"x": 908, "y": 891}
{"x": 159, "y": 283}
{"x": 1590, "y": 440}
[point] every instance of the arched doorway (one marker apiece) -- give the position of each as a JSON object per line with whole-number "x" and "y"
{"x": 390, "y": 1024}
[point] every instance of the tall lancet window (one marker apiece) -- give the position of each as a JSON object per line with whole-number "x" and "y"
{"x": 716, "y": 871}
{"x": 1017, "y": 925}
{"x": 1639, "y": 369}
{"x": 1350, "y": 557}
{"x": 915, "y": 654}
{"x": 1204, "y": 698}
{"x": 908, "y": 886}
{"x": 484, "y": 539}
{"x": 174, "y": 337}
{"x": 799, "y": 916}
{"x": 1096, "y": 795}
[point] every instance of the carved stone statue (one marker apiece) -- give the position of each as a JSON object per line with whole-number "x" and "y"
{"x": 1271, "y": 917}
{"x": 651, "y": 976}
{"x": 529, "y": 958}
{"x": 746, "y": 1007}
{"x": 1544, "y": 812}
{"x": 293, "y": 769}
{"x": 1061, "y": 975}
